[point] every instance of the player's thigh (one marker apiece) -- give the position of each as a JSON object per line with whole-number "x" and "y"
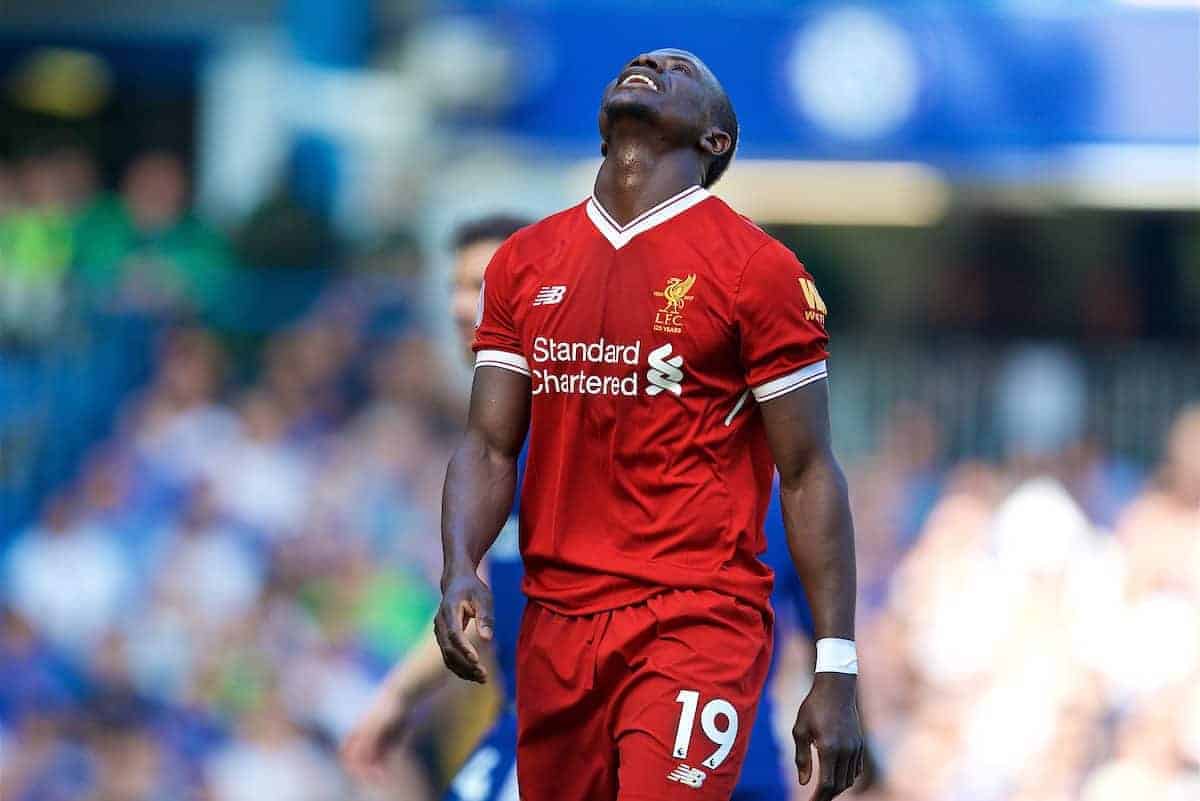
{"x": 563, "y": 750}
{"x": 490, "y": 773}
{"x": 688, "y": 743}
{"x": 685, "y": 716}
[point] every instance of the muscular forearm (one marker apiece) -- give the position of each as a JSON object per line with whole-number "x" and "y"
{"x": 816, "y": 512}
{"x": 480, "y": 483}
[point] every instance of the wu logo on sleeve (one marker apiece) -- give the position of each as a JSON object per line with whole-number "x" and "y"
{"x": 816, "y": 306}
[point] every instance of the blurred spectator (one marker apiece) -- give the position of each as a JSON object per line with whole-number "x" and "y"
{"x": 292, "y": 228}
{"x": 179, "y": 425}
{"x": 239, "y": 576}
{"x": 474, "y": 245}
{"x": 1040, "y": 404}
{"x": 1173, "y": 503}
{"x": 272, "y": 759}
{"x": 34, "y": 678}
{"x": 71, "y": 580}
{"x": 283, "y": 233}
{"x": 269, "y": 491}
{"x": 892, "y": 491}
{"x": 303, "y": 372}
{"x": 132, "y": 767}
{"x": 389, "y": 459}
{"x": 1041, "y": 413}
{"x": 206, "y": 570}
{"x": 1002, "y": 662}
{"x": 145, "y": 249}
{"x": 51, "y": 186}
{"x": 47, "y": 766}
{"x": 8, "y": 188}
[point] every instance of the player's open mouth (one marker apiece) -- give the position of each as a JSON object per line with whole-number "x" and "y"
{"x": 639, "y": 80}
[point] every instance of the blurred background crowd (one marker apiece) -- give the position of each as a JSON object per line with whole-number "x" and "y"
{"x": 229, "y": 383}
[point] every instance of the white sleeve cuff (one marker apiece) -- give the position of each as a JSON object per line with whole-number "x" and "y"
{"x": 503, "y": 359}
{"x": 792, "y": 381}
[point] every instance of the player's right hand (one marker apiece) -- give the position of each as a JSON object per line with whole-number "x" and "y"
{"x": 365, "y": 749}
{"x": 464, "y": 598}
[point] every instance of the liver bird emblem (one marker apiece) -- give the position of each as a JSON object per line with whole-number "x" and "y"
{"x": 676, "y": 292}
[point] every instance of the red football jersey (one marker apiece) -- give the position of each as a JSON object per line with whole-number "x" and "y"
{"x": 647, "y": 346}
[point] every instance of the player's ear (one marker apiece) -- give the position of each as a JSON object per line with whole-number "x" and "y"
{"x": 715, "y": 141}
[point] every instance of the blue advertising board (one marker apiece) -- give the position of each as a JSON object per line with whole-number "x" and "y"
{"x": 876, "y": 81}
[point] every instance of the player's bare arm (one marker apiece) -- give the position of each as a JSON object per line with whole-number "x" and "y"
{"x": 386, "y": 719}
{"x": 480, "y": 484}
{"x": 816, "y": 511}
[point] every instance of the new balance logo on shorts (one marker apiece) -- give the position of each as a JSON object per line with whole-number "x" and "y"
{"x": 549, "y": 295}
{"x": 685, "y": 774}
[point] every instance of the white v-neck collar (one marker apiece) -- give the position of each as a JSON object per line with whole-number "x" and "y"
{"x": 620, "y": 235}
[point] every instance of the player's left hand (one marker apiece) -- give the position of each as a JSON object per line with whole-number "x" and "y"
{"x": 464, "y": 598}
{"x": 828, "y": 720}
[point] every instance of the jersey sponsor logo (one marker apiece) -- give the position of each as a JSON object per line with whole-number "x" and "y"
{"x": 561, "y": 367}
{"x": 548, "y": 352}
{"x": 546, "y": 382}
{"x": 688, "y": 776}
{"x": 548, "y": 349}
{"x": 549, "y": 295}
{"x": 665, "y": 372}
{"x": 669, "y": 319}
{"x": 816, "y": 306}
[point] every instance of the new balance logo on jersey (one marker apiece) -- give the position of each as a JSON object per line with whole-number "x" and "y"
{"x": 664, "y": 372}
{"x": 687, "y": 775}
{"x": 549, "y": 295}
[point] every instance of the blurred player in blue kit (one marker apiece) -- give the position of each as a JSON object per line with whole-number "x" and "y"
{"x": 489, "y": 774}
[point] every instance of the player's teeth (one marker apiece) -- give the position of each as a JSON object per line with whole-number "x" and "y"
{"x": 639, "y": 79}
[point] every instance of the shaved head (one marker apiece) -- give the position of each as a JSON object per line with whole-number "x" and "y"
{"x": 680, "y": 97}
{"x": 720, "y": 112}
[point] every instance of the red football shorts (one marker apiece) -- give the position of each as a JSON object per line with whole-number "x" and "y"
{"x": 650, "y": 702}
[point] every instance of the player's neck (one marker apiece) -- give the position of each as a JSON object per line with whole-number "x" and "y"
{"x": 635, "y": 177}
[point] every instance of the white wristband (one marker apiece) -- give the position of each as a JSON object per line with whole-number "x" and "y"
{"x": 836, "y": 656}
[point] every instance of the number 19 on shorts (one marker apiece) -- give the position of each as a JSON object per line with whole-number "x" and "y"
{"x": 723, "y": 738}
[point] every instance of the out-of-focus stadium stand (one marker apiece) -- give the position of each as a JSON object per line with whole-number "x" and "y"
{"x": 228, "y": 387}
